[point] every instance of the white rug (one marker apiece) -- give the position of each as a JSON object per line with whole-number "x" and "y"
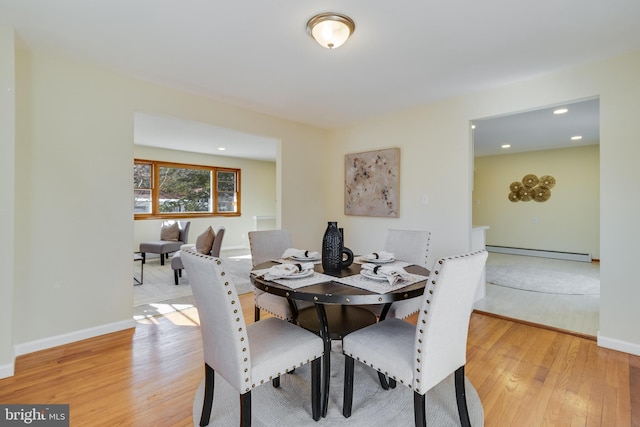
{"x": 540, "y": 279}
{"x": 290, "y": 404}
{"x": 159, "y": 295}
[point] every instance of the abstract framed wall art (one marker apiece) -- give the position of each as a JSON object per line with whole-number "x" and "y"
{"x": 372, "y": 183}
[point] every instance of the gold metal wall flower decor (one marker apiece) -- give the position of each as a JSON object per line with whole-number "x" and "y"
{"x": 532, "y": 188}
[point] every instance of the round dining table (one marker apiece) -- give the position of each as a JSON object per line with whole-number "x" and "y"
{"x": 338, "y": 307}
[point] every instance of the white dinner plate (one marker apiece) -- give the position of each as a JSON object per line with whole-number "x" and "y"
{"x": 370, "y": 275}
{"x": 298, "y": 275}
{"x": 298, "y": 258}
{"x": 373, "y": 259}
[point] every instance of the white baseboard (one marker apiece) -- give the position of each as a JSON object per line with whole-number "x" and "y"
{"x": 233, "y": 248}
{"x": 568, "y": 256}
{"x": 83, "y": 334}
{"x": 7, "y": 370}
{"x": 618, "y": 345}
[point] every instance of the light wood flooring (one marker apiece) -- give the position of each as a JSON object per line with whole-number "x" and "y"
{"x": 574, "y": 313}
{"x": 525, "y": 375}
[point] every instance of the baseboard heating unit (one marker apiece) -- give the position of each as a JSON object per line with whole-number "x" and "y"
{"x": 569, "y": 256}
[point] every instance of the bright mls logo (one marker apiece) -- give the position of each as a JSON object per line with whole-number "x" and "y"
{"x": 37, "y": 415}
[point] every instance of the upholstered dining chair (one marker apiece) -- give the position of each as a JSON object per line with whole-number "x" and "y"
{"x": 267, "y": 245}
{"x": 411, "y": 246}
{"x": 421, "y": 356}
{"x": 170, "y": 240}
{"x": 245, "y": 356}
{"x": 202, "y": 246}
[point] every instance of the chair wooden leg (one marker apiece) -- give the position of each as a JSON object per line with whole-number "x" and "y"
{"x": 316, "y": 396}
{"x": 161, "y": 259}
{"x": 419, "y": 413}
{"x": 276, "y": 382}
{"x": 256, "y": 314}
{"x": 208, "y": 395}
{"x": 347, "y": 397}
{"x": 175, "y": 277}
{"x": 461, "y": 397}
{"x": 245, "y": 409}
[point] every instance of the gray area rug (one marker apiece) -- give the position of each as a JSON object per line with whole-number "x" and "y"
{"x": 159, "y": 295}
{"x": 547, "y": 280}
{"x": 290, "y": 404}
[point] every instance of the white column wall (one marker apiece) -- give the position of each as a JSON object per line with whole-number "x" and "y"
{"x": 7, "y": 196}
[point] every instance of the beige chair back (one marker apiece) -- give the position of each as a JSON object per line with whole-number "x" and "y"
{"x": 268, "y": 244}
{"x": 443, "y": 322}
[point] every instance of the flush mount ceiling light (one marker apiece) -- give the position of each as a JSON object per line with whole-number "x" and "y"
{"x": 560, "y": 111}
{"x": 330, "y": 30}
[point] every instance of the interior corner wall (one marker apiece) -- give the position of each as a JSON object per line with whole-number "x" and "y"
{"x": 7, "y": 196}
{"x": 73, "y": 267}
{"x": 436, "y": 160}
{"x": 568, "y": 222}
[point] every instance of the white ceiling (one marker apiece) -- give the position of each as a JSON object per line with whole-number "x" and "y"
{"x": 257, "y": 55}
{"x": 176, "y": 134}
{"x": 540, "y": 129}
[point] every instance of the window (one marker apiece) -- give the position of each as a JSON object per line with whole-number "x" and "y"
{"x": 165, "y": 190}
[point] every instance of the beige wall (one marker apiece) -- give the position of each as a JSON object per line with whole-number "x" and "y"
{"x": 434, "y": 155}
{"x": 74, "y": 153}
{"x": 74, "y": 131}
{"x": 258, "y": 181}
{"x": 568, "y": 222}
{"x": 436, "y": 161}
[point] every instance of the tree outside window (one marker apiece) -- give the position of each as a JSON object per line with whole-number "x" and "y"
{"x": 164, "y": 190}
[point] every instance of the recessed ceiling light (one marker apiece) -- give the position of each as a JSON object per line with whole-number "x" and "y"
{"x": 576, "y": 138}
{"x": 506, "y": 146}
{"x": 473, "y": 126}
{"x": 560, "y": 111}
{"x": 221, "y": 148}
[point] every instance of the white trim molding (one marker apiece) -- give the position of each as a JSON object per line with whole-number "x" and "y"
{"x": 83, "y": 334}
{"x": 7, "y": 370}
{"x": 568, "y": 256}
{"x": 618, "y": 345}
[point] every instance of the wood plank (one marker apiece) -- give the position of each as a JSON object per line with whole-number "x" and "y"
{"x": 525, "y": 375}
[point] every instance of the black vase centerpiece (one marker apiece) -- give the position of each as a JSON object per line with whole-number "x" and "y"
{"x": 333, "y": 250}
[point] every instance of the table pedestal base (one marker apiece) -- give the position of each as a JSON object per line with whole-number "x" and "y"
{"x": 332, "y": 322}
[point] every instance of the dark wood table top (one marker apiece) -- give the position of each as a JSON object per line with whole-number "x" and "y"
{"x": 332, "y": 292}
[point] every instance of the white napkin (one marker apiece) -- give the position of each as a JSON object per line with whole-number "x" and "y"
{"x": 284, "y": 270}
{"x": 393, "y": 274}
{"x": 300, "y": 253}
{"x": 380, "y": 255}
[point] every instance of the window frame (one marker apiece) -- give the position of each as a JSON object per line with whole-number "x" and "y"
{"x": 155, "y": 191}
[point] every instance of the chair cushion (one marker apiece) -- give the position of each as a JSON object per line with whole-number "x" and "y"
{"x": 277, "y": 306}
{"x": 204, "y": 242}
{"x": 160, "y": 247}
{"x": 387, "y": 346}
{"x": 176, "y": 262}
{"x": 170, "y": 232}
{"x": 277, "y": 346}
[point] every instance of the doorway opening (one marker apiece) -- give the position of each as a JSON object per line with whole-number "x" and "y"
{"x": 508, "y": 151}
{"x": 170, "y": 139}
